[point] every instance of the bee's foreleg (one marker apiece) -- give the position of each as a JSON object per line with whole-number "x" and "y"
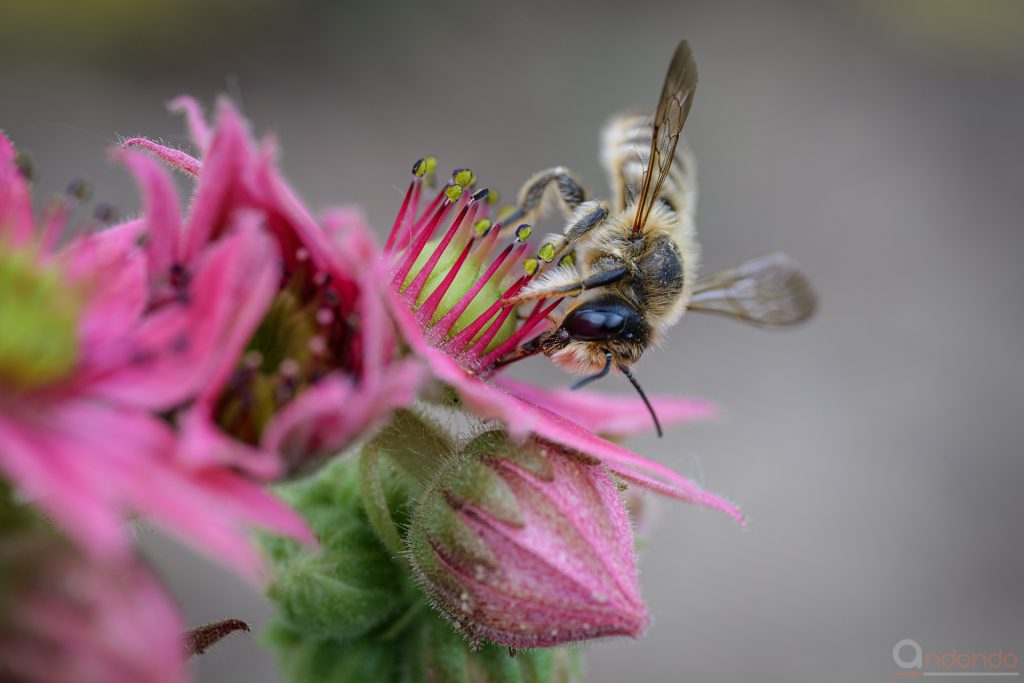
{"x": 565, "y": 282}
{"x": 531, "y": 197}
{"x": 525, "y": 350}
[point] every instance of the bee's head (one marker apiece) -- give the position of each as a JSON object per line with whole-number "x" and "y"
{"x": 594, "y": 328}
{"x": 600, "y": 333}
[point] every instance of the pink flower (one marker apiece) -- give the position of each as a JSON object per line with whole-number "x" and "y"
{"x": 69, "y": 616}
{"x": 83, "y": 367}
{"x": 311, "y": 363}
{"x": 452, "y": 271}
{"x": 527, "y": 545}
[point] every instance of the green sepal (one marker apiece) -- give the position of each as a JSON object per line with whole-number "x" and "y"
{"x": 305, "y": 658}
{"x": 426, "y": 650}
{"x": 351, "y": 583}
{"x": 394, "y": 467}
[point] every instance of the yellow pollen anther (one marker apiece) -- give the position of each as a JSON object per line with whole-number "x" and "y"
{"x": 424, "y": 166}
{"x": 493, "y": 197}
{"x": 547, "y": 252}
{"x": 453, "y": 192}
{"x": 481, "y": 226}
{"x": 462, "y": 176}
{"x": 530, "y": 266}
{"x": 566, "y": 260}
{"x": 523, "y": 232}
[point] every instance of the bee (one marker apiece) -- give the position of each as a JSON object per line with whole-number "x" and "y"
{"x": 630, "y": 264}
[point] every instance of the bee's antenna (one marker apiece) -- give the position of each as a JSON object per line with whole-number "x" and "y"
{"x": 639, "y": 390}
{"x": 596, "y": 376}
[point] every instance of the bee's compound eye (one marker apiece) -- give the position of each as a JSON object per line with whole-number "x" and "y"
{"x": 593, "y": 324}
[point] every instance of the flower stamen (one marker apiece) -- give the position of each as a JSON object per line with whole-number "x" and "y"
{"x": 409, "y": 204}
{"x": 412, "y": 292}
{"x": 467, "y": 312}
{"x": 426, "y": 310}
{"x": 444, "y": 326}
{"x": 422, "y": 236}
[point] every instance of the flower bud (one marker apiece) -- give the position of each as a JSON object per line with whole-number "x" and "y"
{"x": 527, "y": 545}
{"x": 349, "y": 612}
{"x": 69, "y": 616}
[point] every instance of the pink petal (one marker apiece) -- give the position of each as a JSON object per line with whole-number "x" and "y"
{"x": 611, "y": 415}
{"x": 219, "y": 189}
{"x": 197, "y": 127}
{"x": 239, "y": 295}
{"x": 354, "y": 242}
{"x": 212, "y": 511}
{"x": 94, "y": 621}
{"x": 111, "y": 267}
{"x": 485, "y": 400}
{"x": 376, "y": 335}
{"x": 333, "y": 413}
{"x": 117, "y": 239}
{"x": 291, "y": 223}
{"x": 631, "y": 466}
{"x": 352, "y": 236}
{"x": 94, "y": 463}
{"x": 34, "y": 458}
{"x": 202, "y": 444}
{"x": 177, "y": 159}
{"x": 16, "y": 223}
{"x": 163, "y": 219}
{"x": 189, "y": 347}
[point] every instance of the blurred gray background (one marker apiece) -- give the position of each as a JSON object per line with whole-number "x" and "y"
{"x": 878, "y": 450}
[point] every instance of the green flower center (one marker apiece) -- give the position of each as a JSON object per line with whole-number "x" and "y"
{"x": 38, "y": 322}
{"x": 306, "y": 334}
{"x": 471, "y": 271}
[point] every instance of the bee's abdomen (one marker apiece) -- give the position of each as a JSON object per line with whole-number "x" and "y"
{"x": 626, "y": 153}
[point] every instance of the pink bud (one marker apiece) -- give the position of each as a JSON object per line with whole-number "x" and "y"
{"x": 69, "y": 617}
{"x": 527, "y": 545}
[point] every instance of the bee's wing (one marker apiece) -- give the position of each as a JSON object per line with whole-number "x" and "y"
{"x": 669, "y": 117}
{"x": 767, "y": 290}
{"x": 625, "y": 153}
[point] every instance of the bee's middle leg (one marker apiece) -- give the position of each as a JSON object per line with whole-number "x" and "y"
{"x": 587, "y": 216}
{"x": 531, "y": 197}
